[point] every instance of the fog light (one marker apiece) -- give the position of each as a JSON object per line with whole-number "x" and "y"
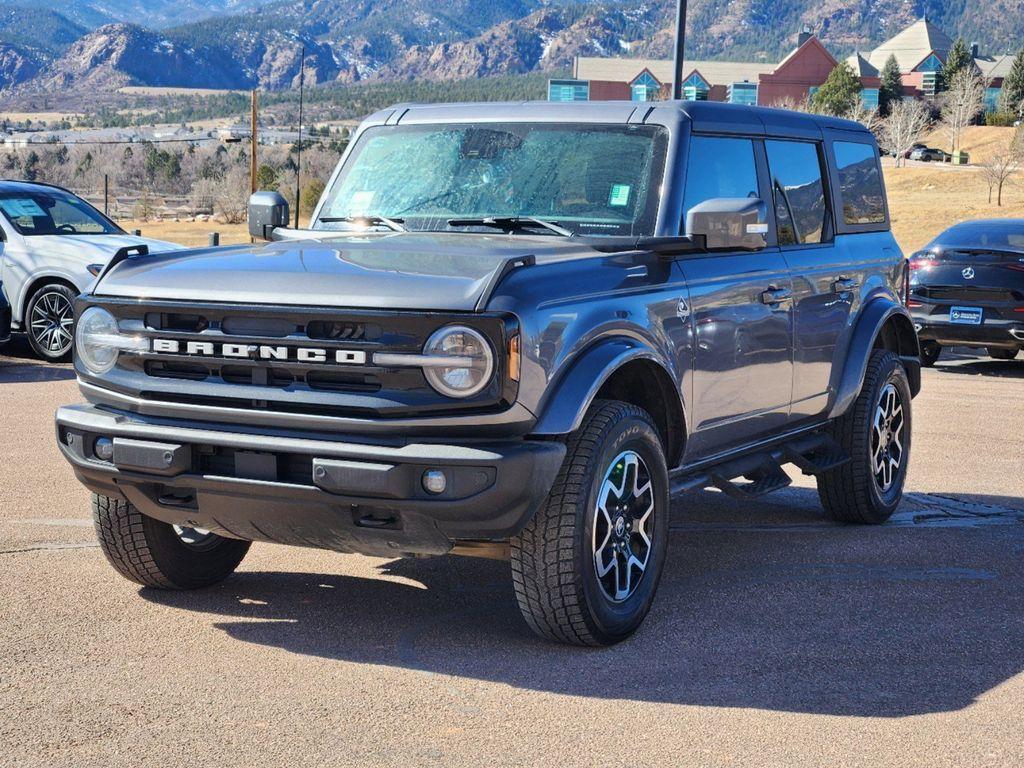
{"x": 434, "y": 481}
{"x": 104, "y": 449}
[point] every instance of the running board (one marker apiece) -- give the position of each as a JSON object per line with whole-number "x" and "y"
{"x": 758, "y": 473}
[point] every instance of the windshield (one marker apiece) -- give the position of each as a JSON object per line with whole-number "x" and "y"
{"x": 48, "y": 211}
{"x": 589, "y": 179}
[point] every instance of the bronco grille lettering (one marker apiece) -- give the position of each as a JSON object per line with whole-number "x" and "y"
{"x": 260, "y": 352}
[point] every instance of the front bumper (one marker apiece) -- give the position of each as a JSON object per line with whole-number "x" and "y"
{"x": 5, "y": 321}
{"x": 311, "y": 491}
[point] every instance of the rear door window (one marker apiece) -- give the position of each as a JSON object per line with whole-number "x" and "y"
{"x": 798, "y": 192}
{"x": 860, "y": 183}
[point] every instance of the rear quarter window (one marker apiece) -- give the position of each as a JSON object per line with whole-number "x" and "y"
{"x": 861, "y": 192}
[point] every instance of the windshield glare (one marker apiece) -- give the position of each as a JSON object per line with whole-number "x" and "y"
{"x": 52, "y": 212}
{"x": 589, "y": 179}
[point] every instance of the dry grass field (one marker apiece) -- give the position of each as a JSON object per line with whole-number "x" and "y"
{"x": 924, "y": 198}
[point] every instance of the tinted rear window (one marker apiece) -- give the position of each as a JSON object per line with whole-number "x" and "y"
{"x": 860, "y": 183}
{"x": 995, "y": 234}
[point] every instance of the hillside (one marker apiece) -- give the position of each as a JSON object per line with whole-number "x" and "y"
{"x": 250, "y": 43}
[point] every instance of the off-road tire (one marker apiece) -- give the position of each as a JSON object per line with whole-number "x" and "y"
{"x": 62, "y": 293}
{"x": 930, "y": 351}
{"x": 150, "y": 552}
{"x": 850, "y": 492}
{"x": 553, "y": 568}
{"x": 998, "y": 353}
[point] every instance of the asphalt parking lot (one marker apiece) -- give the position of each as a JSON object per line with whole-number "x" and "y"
{"x": 777, "y": 639}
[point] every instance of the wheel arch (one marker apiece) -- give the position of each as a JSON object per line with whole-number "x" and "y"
{"x": 37, "y": 282}
{"x": 883, "y": 324}
{"x": 617, "y": 369}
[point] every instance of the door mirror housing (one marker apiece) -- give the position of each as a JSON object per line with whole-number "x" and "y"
{"x": 730, "y": 223}
{"x": 267, "y": 211}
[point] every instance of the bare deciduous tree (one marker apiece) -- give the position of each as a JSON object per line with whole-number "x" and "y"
{"x": 997, "y": 172}
{"x": 962, "y": 102}
{"x": 907, "y": 122}
{"x": 869, "y": 118}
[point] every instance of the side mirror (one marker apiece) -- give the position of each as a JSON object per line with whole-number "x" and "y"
{"x": 729, "y": 223}
{"x": 267, "y": 211}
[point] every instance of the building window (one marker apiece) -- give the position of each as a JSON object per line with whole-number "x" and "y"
{"x": 646, "y": 87}
{"x": 743, "y": 93}
{"x": 932, "y": 64}
{"x": 695, "y": 88}
{"x": 568, "y": 90}
{"x": 813, "y": 90}
{"x": 869, "y": 98}
{"x": 930, "y": 83}
{"x": 992, "y": 97}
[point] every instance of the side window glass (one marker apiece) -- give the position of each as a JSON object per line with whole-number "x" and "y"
{"x": 798, "y": 192}
{"x": 860, "y": 183}
{"x": 719, "y": 168}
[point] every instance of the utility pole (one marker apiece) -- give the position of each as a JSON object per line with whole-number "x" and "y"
{"x": 254, "y": 147}
{"x": 677, "y": 80}
{"x": 298, "y": 162}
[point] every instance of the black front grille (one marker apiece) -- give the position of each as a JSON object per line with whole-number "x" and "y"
{"x": 294, "y": 360}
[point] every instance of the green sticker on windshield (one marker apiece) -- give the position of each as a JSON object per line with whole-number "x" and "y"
{"x": 619, "y": 196}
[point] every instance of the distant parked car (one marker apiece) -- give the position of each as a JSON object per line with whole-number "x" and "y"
{"x": 913, "y": 148}
{"x": 54, "y": 244}
{"x": 5, "y": 318}
{"x": 967, "y": 289}
{"x": 929, "y": 154}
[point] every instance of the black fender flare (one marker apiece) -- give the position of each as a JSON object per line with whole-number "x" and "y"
{"x": 876, "y": 316}
{"x": 563, "y": 409}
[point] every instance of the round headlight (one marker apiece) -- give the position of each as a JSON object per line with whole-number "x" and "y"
{"x": 463, "y": 361}
{"x": 98, "y": 341}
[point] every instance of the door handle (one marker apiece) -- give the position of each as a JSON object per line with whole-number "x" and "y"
{"x": 776, "y": 295}
{"x": 844, "y": 284}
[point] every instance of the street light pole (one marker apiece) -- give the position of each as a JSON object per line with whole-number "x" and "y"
{"x": 677, "y": 79}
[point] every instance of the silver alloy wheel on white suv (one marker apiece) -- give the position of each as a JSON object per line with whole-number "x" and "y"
{"x": 50, "y": 321}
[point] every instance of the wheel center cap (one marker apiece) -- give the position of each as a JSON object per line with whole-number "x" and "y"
{"x": 620, "y": 525}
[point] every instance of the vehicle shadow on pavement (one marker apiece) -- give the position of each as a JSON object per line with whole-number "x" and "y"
{"x": 825, "y": 619}
{"x": 966, "y": 363}
{"x": 19, "y": 365}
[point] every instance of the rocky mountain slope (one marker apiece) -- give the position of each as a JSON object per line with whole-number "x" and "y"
{"x": 349, "y": 40}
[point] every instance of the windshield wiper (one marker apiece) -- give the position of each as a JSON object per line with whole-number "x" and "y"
{"x": 396, "y": 225}
{"x": 511, "y": 224}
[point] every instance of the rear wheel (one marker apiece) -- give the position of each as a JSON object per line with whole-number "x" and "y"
{"x": 999, "y": 353}
{"x": 160, "y": 555}
{"x": 586, "y": 568}
{"x": 875, "y": 432}
{"x": 50, "y": 321}
{"x": 930, "y": 351}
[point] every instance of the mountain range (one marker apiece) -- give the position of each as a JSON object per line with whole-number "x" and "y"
{"x": 106, "y": 44}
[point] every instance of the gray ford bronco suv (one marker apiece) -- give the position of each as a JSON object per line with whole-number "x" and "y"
{"x": 511, "y": 330}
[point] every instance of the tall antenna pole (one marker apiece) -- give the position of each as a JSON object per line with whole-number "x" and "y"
{"x": 254, "y": 148}
{"x": 298, "y": 168}
{"x": 677, "y": 80}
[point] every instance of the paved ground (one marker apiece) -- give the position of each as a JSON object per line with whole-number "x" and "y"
{"x": 777, "y": 639}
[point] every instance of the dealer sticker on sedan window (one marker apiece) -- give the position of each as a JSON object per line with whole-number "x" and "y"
{"x": 965, "y": 315}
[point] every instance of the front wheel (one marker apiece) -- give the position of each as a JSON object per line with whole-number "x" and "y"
{"x": 586, "y": 568}
{"x": 160, "y": 555}
{"x": 875, "y": 432}
{"x": 50, "y": 321}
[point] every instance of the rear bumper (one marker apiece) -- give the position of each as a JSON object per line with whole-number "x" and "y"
{"x": 329, "y": 494}
{"x": 993, "y": 332}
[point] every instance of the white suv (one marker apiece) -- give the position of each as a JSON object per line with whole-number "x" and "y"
{"x": 52, "y": 246}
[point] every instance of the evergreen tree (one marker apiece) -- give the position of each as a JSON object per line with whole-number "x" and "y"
{"x": 891, "y": 89}
{"x": 1012, "y": 97}
{"x": 958, "y": 59}
{"x": 839, "y": 94}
